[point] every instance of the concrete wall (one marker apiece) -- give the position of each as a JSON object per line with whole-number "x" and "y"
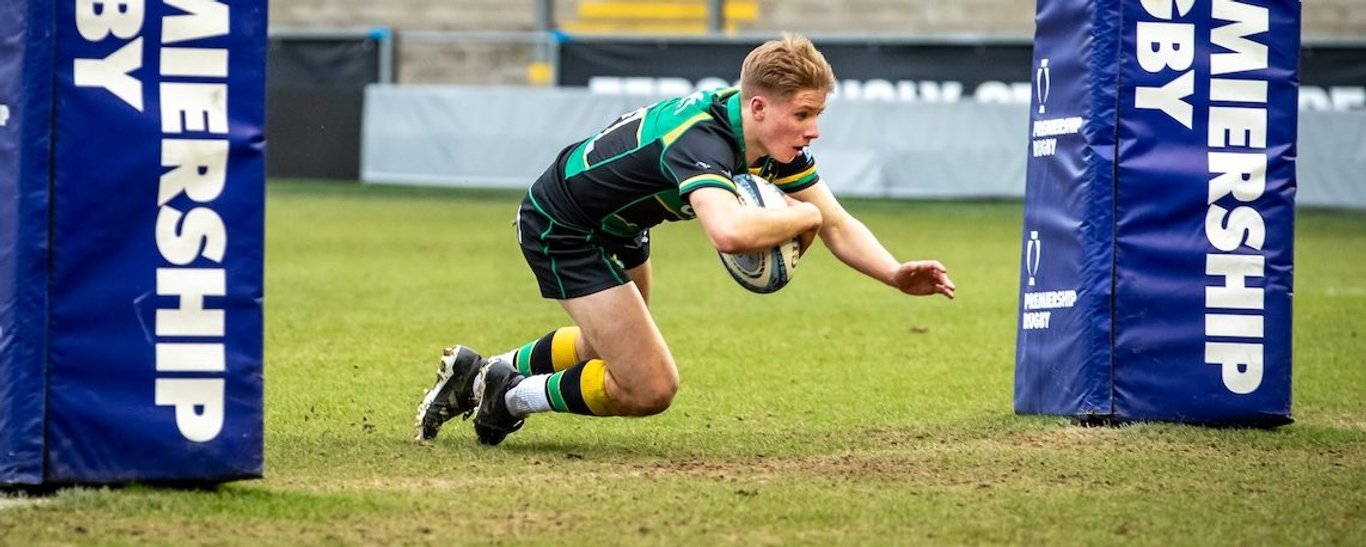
{"x": 405, "y": 14}
{"x": 1013, "y": 18}
{"x": 1322, "y": 18}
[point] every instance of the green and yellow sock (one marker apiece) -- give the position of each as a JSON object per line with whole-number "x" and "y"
{"x": 556, "y": 351}
{"x": 581, "y": 389}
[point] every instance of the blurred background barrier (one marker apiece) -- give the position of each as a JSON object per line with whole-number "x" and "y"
{"x": 1332, "y": 159}
{"x": 506, "y": 136}
{"x": 889, "y": 53}
{"x": 316, "y": 86}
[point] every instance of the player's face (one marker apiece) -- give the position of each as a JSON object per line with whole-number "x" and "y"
{"x": 790, "y": 124}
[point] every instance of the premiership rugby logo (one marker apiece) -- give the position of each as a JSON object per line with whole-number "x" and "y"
{"x": 1043, "y": 80}
{"x": 1237, "y": 162}
{"x": 1039, "y": 306}
{"x": 192, "y": 90}
{"x": 1033, "y": 251}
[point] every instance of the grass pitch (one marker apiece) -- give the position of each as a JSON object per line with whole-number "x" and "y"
{"x": 833, "y": 411}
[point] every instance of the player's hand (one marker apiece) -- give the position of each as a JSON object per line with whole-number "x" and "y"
{"x": 805, "y": 239}
{"x": 923, "y": 277}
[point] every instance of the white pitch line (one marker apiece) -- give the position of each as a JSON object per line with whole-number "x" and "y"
{"x": 14, "y": 503}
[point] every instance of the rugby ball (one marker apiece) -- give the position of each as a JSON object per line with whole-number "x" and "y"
{"x": 769, "y": 270}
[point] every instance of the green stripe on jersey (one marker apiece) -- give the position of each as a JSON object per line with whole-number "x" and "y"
{"x": 705, "y": 180}
{"x": 678, "y": 130}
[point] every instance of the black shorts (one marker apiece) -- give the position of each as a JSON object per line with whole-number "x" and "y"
{"x": 570, "y": 261}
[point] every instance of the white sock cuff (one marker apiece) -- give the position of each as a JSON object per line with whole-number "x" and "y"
{"x": 529, "y": 397}
{"x": 509, "y": 357}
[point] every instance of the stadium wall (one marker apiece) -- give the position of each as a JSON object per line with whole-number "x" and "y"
{"x": 505, "y": 137}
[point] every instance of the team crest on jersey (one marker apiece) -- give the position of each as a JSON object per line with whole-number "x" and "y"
{"x": 688, "y": 101}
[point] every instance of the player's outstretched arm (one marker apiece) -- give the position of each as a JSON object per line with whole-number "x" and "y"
{"x": 855, "y": 245}
{"x": 733, "y": 228}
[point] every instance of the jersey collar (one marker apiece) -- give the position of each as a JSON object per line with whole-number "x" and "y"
{"x": 733, "y": 105}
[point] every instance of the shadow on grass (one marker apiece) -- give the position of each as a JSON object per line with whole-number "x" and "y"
{"x": 53, "y": 490}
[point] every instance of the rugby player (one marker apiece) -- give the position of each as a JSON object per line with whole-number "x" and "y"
{"x": 584, "y": 230}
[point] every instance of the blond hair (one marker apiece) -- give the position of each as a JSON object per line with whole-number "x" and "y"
{"x": 784, "y": 67}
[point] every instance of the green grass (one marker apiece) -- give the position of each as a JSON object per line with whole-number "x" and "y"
{"x": 833, "y": 411}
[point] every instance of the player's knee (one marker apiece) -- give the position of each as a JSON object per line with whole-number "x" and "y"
{"x": 653, "y": 397}
{"x": 658, "y": 400}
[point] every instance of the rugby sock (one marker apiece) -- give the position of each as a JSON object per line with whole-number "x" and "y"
{"x": 578, "y": 390}
{"x": 529, "y": 397}
{"x": 556, "y": 351}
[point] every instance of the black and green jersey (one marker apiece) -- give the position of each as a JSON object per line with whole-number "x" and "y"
{"x": 638, "y": 171}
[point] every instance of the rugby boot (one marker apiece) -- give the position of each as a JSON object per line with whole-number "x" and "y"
{"x": 453, "y": 393}
{"x": 494, "y": 422}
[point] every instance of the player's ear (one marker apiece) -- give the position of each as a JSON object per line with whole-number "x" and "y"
{"x": 758, "y": 105}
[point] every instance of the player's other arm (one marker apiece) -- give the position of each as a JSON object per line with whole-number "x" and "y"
{"x": 855, "y": 245}
{"x": 733, "y": 228}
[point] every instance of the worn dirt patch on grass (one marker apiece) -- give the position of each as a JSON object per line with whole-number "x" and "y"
{"x": 926, "y": 469}
{"x": 920, "y": 458}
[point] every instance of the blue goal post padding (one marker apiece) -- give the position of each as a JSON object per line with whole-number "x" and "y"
{"x": 25, "y": 140}
{"x": 1157, "y": 250}
{"x": 131, "y": 240}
